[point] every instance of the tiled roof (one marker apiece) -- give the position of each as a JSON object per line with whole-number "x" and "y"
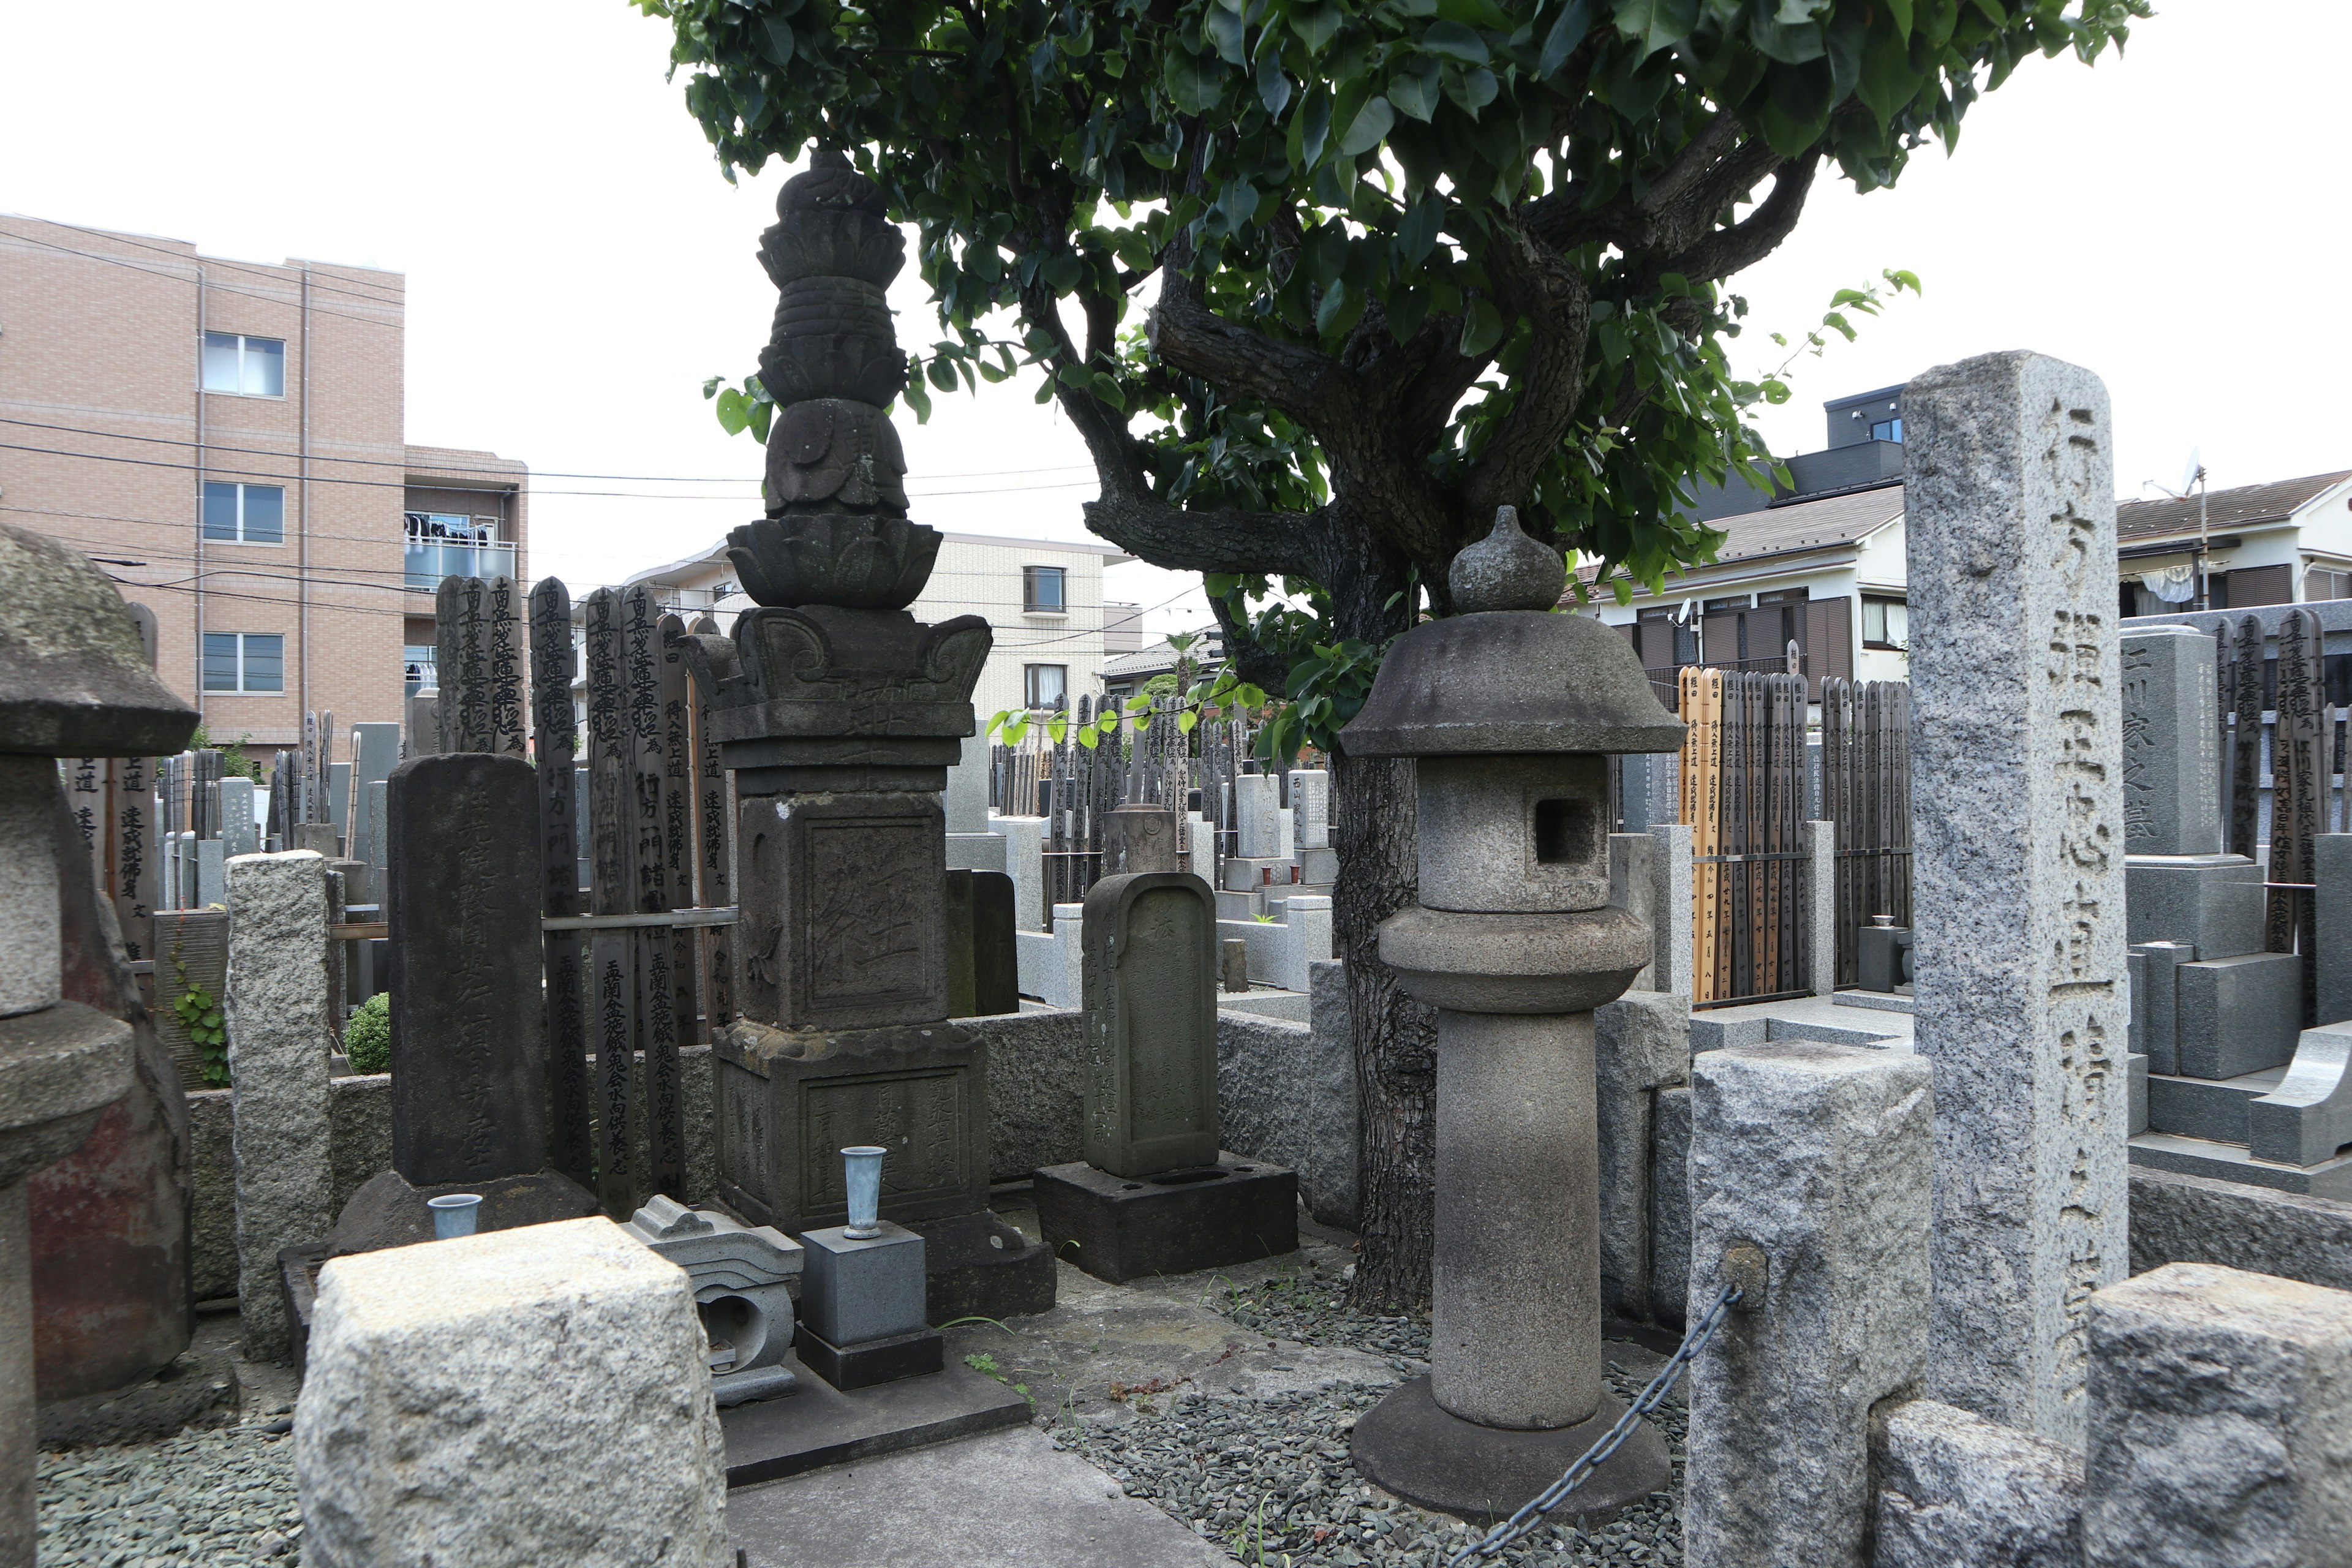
{"x": 1804, "y": 525}
{"x": 2224, "y": 509}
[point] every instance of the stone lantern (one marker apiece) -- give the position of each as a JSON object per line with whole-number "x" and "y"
{"x": 73, "y": 682}
{"x": 1510, "y": 711}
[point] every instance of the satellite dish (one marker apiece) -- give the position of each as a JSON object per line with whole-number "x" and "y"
{"x": 2195, "y": 466}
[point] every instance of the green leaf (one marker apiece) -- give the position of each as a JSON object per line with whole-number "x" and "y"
{"x": 1224, "y": 28}
{"x": 1273, "y": 86}
{"x": 1656, "y": 24}
{"x": 763, "y": 412}
{"x": 1339, "y": 309}
{"x": 943, "y": 374}
{"x": 1473, "y": 90}
{"x": 1454, "y": 42}
{"x": 734, "y": 412}
{"x": 776, "y": 42}
{"x": 1193, "y": 82}
{"x": 1088, "y": 737}
{"x": 1310, "y": 125}
{"x": 1482, "y": 328}
{"x": 1575, "y": 20}
{"x": 1900, "y": 12}
{"x": 920, "y": 401}
{"x": 1249, "y": 696}
{"x": 1314, "y": 24}
{"x": 1185, "y": 721}
{"x": 1413, "y": 89}
{"x": 1055, "y": 728}
{"x": 1368, "y": 127}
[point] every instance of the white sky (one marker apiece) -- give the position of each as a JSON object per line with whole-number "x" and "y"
{"x": 576, "y": 267}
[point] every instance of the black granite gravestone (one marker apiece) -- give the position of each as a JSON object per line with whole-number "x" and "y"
{"x": 995, "y": 963}
{"x": 468, "y": 1039}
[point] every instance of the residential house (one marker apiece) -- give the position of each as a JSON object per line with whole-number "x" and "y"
{"x": 2288, "y": 542}
{"x": 225, "y": 438}
{"x": 1043, "y": 597}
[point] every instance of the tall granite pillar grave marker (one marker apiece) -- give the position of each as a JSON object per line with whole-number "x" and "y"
{"x": 2020, "y": 829}
{"x": 839, "y": 715}
{"x": 1511, "y": 713}
{"x": 469, "y": 1073}
{"x": 1154, "y": 1194}
{"x": 73, "y": 682}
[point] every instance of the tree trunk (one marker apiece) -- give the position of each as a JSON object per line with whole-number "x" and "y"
{"x": 1395, "y": 1036}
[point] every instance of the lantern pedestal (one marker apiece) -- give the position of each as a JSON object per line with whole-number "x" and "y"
{"x": 1410, "y": 1445}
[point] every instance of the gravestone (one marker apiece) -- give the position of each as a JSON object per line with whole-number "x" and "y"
{"x": 375, "y": 752}
{"x": 1138, "y": 837}
{"x": 1150, "y": 1082}
{"x": 955, "y": 904}
{"x": 469, "y": 1044}
{"x": 1256, "y": 801}
{"x": 839, "y": 715}
{"x": 1310, "y": 808}
{"x": 462, "y": 610}
{"x": 2020, "y": 834}
{"x": 239, "y": 835}
{"x": 1154, "y": 1194}
{"x": 996, "y": 962}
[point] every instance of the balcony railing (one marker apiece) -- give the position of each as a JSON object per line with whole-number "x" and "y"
{"x": 428, "y": 562}
{"x": 1666, "y": 682}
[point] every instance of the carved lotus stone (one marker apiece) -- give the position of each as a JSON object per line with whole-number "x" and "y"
{"x": 833, "y": 338}
{"x": 836, "y": 455}
{"x": 866, "y": 562}
{"x": 834, "y": 243}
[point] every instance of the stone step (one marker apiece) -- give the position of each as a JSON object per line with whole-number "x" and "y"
{"x": 2207, "y": 1108}
{"x": 2232, "y": 1163}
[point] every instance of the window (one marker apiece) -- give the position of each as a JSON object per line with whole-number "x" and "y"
{"x": 2319, "y": 582}
{"x": 250, "y": 368}
{"x": 1046, "y": 684}
{"x": 1797, "y": 595}
{"x": 1715, "y": 606}
{"x": 244, "y": 514}
{"x": 419, "y": 668}
{"x": 1041, "y": 592}
{"x": 245, "y": 662}
{"x": 450, "y": 528}
{"x": 1887, "y": 430}
{"x": 1886, "y": 623}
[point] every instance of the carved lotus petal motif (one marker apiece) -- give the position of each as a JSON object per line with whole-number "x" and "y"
{"x": 857, "y": 562}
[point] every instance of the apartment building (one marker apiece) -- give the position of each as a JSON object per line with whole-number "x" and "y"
{"x": 1043, "y": 597}
{"x": 225, "y": 438}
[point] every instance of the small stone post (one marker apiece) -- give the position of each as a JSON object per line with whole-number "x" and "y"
{"x": 73, "y": 682}
{"x": 2019, "y": 835}
{"x": 1811, "y": 1167}
{"x": 277, "y": 1039}
{"x": 2219, "y": 1405}
{"x": 1670, "y": 968}
{"x": 1821, "y": 906}
{"x": 1642, "y": 1045}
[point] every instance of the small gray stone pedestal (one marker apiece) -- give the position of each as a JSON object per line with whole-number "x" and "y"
{"x": 1511, "y": 713}
{"x": 862, "y": 1307}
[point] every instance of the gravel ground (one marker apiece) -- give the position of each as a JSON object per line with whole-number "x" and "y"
{"x": 220, "y": 1498}
{"x": 1270, "y": 1481}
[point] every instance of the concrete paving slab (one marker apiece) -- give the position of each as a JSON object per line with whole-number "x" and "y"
{"x": 1008, "y": 1499}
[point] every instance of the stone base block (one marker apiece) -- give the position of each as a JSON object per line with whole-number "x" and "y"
{"x": 729, "y": 1388}
{"x": 821, "y": 1425}
{"x": 2178, "y": 1218}
{"x": 2237, "y": 1015}
{"x": 1318, "y": 867}
{"x": 1413, "y": 1447}
{"x": 976, "y": 1266}
{"x": 2234, "y": 1162}
{"x": 848, "y": 1367}
{"x": 2207, "y": 1108}
{"x": 2213, "y": 902}
{"x": 975, "y": 852}
{"x": 1955, "y": 1488}
{"x": 512, "y": 1400}
{"x": 1243, "y": 875}
{"x": 1175, "y": 1223}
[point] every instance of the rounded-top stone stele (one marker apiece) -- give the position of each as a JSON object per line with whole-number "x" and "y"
{"x": 74, "y": 677}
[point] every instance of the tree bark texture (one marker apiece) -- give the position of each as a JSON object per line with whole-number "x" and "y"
{"x": 1395, "y": 1036}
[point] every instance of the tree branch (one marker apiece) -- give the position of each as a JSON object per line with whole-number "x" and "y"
{"x": 1250, "y": 659}
{"x": 1728, "y": 250}
{"x": 1538, "y": 283}
{"x": 1304, "y": 383}
{"x": 1186, "y": 540}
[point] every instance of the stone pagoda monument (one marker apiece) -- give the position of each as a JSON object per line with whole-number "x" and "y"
{"x": 839, "y": 713}
{"x": 1510, "y": 711}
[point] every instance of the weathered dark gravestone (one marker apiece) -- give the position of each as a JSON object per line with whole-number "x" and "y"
{"x": 841, "y": 925}
{"x": 955, "y": 904}
{"x": 469, "y": 1039}
{"x": 995, "y": 960}
{"x": 1150, "y": 1081}
{"x": 1153, "y": 1195}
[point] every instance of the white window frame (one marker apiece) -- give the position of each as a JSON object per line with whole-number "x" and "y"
{"x": 203, "y": 352}
{"x": 241, "y": 688}
{"x": 239, "y": 538}
{"x": 1029, "y": 577}
{"x": 1029, "y": 687}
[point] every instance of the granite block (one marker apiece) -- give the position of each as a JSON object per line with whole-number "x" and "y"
{"x": 2239, "y": 1014}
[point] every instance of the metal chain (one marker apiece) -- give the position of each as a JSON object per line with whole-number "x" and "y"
{"x": 1532, "y": 1514}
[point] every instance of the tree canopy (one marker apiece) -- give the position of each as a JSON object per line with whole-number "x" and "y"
{"x": 1414, "y": 259}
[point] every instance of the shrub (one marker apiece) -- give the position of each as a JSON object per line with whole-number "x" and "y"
{"x": 367, "y": 1038}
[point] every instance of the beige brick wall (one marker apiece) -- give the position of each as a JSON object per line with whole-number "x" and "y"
{"x": 99, "y": 338}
